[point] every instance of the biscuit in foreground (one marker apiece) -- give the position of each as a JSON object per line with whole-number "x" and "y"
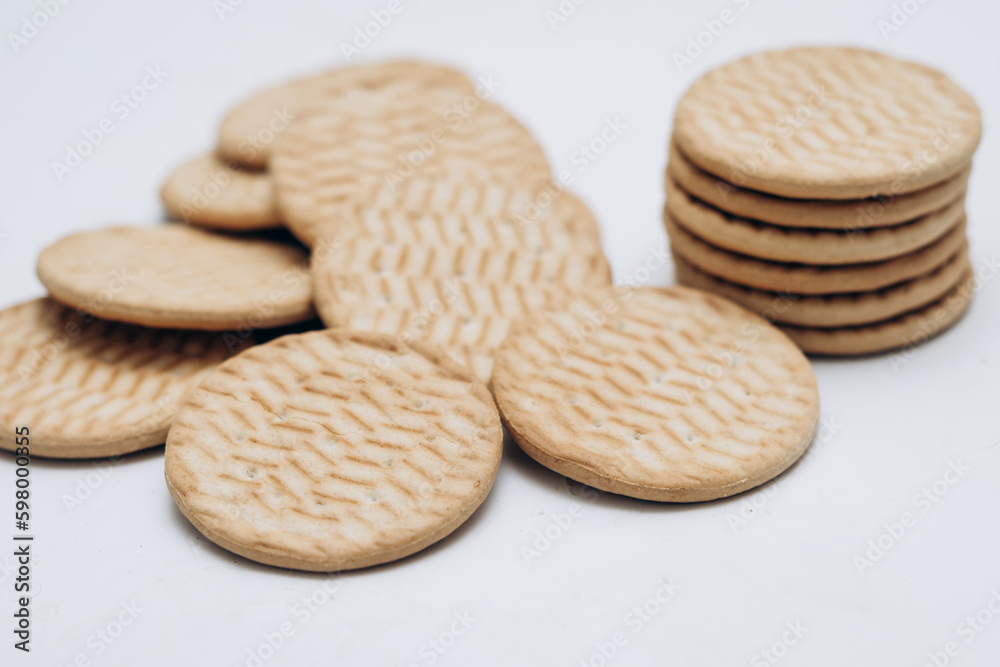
{"x": 333, "y": 450}
{"x": 87, "y": 387}
{"x": 665, "y": 394}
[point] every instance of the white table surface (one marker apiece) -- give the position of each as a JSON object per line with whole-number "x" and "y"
{"x": 892, "y": 428}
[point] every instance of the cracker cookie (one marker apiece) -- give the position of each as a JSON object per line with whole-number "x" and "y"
{"x": 87, "y": 387}
{"x": 833, "y": 310}
{"x": 827, "y": 123}
{"x": 335, "y": 157}
{"x": 211, "y": 193}
{"x": 666, "y": 394}
{"x": 805, "y": 279}
{"x": 846, "y": 215}
{"x": 179, "y": 277}
{"x": 807, "y": 246}
{"x": 906, "y": 331}
{"x": 457, "y": 279}
{"x": 333, "y": 450}
{"x": 248, "y": 132}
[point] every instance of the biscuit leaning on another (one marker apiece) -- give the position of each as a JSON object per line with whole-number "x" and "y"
{"x": 666, "y": 394}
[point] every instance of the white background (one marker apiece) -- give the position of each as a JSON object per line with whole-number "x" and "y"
{"x": 893, "y": 424}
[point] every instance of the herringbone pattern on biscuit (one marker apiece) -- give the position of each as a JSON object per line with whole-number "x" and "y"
{"x": 248, "y": 132}
{"x": 457, "y": 278}
{"x": 860, "y": 121}
{"x": 674, "y": 390}
{"x": 89, "y": 387}
{"x": 332, "y": 448}
{"x": 337, "y": 155}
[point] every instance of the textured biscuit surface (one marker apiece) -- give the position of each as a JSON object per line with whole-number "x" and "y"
{"x": 248, "y": 132}
{"x": 906, "y": 331}
{"x": 834, "y": 310}
{"x": 178, "y": 276}
{"x": 843, "y": 214}
{"x": 336, "y": 157}
{"x": 827, "y": 123}
{"x": 808, "y": 246}
{"x": 806, "y": 279}
{"x": 455, "y": 271}
{"x": 664, "y": 394}
{"x": 209, "y": 192}
{"x": 87, "y": 387}
{"x": 333, "y": 450}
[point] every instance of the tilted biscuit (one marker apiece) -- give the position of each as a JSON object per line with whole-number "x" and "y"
{"x": 86, "y": 387}
{"x": 667, "y": 394}
{"x": 337, "y": 156}
{"x": 248, "y": 132}
{"x": 181, "y": 277}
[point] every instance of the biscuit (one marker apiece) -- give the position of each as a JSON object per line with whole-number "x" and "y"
{"x": 86, "y": 387}
{"x": 179, "y": 277}
{"x": 807, "y": 246}
{"x": 248, "y": 132}
{"x": 211, "y": 193}
{"x": 666, "y": 394}
{"x": 833, "y": 310}
{"x": 846, "y": 214}
{"x": 805, "y": 279}
{"x": 907, "y": 330}
{"x": 335, "y": 157}
{"x": 333, "y": 450}
{"x": 827, "y": 123}
{"x": 456, "y": 273}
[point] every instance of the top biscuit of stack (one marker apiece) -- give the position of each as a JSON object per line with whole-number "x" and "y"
{"x": 830, "y": 123}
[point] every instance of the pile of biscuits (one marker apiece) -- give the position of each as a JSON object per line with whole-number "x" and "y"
{"x": 460, "y": 289}
{"x": 824, "y": 188}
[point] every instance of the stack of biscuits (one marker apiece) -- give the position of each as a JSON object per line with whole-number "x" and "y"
{"x": 824, "y": 189}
